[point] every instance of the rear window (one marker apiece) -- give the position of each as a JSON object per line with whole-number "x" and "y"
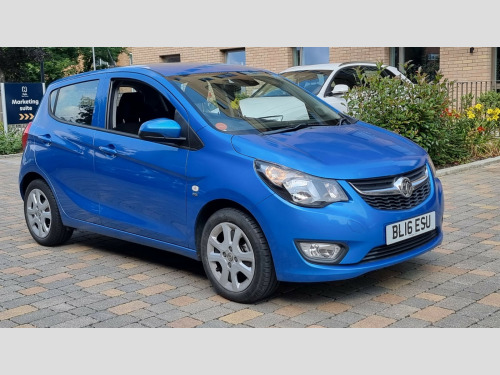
{"x": 74, "y": 103}
{"x": 310, "y": 80}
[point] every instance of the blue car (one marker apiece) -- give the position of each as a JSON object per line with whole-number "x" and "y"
{"x": 189, "y": 158}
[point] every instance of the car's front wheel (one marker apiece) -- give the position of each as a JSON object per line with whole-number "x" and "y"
{"x": 236, "y": 257}
{"x": 43, "y": 217}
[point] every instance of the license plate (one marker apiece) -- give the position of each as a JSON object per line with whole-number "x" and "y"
{"x": 409, "y": 228}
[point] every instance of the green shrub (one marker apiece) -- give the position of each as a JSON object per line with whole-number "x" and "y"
{"x": 490, "y": 99}
{"x": 419, "y": 111}
{"x": 413, "y": 110}
{"x": 11, "y": 142}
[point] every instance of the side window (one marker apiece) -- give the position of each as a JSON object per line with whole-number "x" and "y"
{"x": 346, "y": 76}
{"x": 372, "y": 70}
{"x": 133, "y": 103}
{"x": 349, "y": 76}
{"x": 388, "y": 73}
{"x": 75, "y": 103}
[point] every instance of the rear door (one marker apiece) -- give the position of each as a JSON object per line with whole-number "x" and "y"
{"x": 141, "y": 184}
{"x": 64, "y": 136}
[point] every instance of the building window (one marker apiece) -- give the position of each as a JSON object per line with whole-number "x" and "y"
{"x": 311, "y": 55}
{"x": 171, "y": 58}
{"x": 425, "y": 57}
{"x": 235, "y": 56}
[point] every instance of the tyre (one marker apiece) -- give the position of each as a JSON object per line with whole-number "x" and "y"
{"x": 42, "y": 215}
{"x": 236, "y": 257}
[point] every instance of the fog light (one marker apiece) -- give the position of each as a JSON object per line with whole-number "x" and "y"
{"x": 322, "y": 252}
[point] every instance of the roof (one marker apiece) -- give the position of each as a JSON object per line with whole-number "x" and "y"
{"x": 329, "y": 66}
{"x": 168, "y": 69}
{"x": 171, "y": 69}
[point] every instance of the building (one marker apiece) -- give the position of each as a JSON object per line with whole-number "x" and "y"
{"x": 468, "y": 69}
{"x": 460, "y": 64}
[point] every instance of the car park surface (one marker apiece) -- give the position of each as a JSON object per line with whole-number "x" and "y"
{"x": 98, "y": 281}
{"x": 189, "y": 158}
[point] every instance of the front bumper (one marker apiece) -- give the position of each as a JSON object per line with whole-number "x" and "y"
{"x": 353, "y": 223}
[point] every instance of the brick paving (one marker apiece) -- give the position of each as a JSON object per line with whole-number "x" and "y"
{"x": 95, "y": 281}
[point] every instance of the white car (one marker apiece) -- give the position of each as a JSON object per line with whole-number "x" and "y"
{"x": 331, "y": 81}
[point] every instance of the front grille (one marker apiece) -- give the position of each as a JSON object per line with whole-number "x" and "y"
{"x": 385, "y": 251}
{"x": 398, "y": 202}
{"x": 371, "y": 191}
{"x": 379, "y": 183}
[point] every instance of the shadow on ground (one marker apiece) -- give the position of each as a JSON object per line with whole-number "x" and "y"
{"x": 361, "y": 286}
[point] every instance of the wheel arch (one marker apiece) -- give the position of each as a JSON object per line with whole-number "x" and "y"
{"x": 209, "y": 209}
{"x": 27, "y": 179}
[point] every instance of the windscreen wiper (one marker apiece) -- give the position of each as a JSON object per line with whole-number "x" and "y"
{"x": 347, "y": 120}
{"x": 286, "y": 129}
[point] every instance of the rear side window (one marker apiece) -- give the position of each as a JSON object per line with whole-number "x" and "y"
{"x": 75, "y": 103}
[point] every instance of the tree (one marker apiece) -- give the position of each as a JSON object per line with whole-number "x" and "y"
{"x": 107, "y": 55}
{"x": 13, "y": 62}
{"x": 24, "y": 64}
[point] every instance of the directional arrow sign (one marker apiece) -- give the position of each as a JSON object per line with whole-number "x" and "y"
{"x": 26, "y": 116}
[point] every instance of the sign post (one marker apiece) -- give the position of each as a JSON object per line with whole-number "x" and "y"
{"x": 20, "y": 102}
{"x": 4, "y": 111}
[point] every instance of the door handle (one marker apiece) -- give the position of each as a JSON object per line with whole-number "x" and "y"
{"x": 46, "y": 139}
{"x": 109, "y": 150}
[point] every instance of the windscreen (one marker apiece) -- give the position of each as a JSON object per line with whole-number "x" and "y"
{"x": 252, "y": 102}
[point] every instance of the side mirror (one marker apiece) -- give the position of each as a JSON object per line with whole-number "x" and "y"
{"x": 161, "y": 130}
{"x": 339, "y": 90}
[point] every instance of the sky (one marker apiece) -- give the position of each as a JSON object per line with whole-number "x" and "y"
{"x": 258, "y": 23}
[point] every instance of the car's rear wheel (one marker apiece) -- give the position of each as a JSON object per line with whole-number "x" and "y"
{"x": 43, "y": 217}
{"x": 236, "y": 257}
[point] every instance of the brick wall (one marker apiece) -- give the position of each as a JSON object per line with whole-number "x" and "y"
{"x": 374, "y": 54}
{"x": 274, "y": 59}
{"x": 148, "y": 55}
{"x": 458, "y": 64}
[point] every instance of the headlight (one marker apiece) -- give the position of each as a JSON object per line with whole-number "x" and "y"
{"x": 431, "y": 165}
{"x": 300, "y": 188}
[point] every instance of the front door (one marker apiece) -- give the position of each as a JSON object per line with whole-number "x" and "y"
{"x": 141, "y": 184}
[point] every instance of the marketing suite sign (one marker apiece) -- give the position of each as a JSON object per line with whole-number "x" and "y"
{"x": 21, "y": 101}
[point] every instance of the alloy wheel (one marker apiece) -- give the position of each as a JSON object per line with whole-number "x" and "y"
{"x": 230, "y": 257}
{"x": 39, "y": 213}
